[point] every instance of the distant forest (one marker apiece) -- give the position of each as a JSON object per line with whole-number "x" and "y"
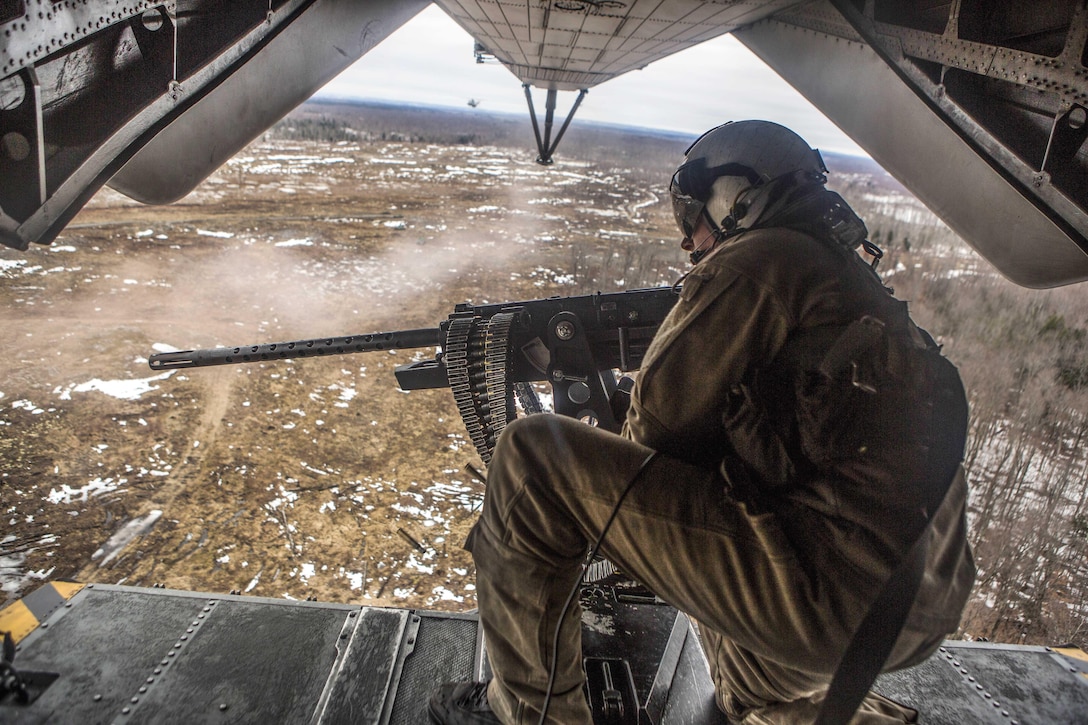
{"x": 1022, "y": 354}
{"x": 652, "y": 152}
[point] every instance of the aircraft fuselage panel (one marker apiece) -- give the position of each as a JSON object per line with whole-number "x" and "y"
{"x": 979, "y": 112}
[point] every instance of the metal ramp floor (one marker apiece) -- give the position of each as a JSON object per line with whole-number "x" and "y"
{"x": 115, "y": 654}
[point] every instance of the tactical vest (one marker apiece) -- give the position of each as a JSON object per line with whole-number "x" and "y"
{"x": 872, "y": 403}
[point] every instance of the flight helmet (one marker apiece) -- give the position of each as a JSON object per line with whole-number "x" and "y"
{"x": 733, "y": 172}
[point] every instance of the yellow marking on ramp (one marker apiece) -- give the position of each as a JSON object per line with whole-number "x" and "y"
{"x": 1075, "y": 653}
{"x": 17, "y": 619}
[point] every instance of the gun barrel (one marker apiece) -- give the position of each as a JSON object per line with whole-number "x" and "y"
{"x": 400, "y": 340}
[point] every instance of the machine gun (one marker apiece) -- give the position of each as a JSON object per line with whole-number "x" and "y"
{"x": 490, "y": 355}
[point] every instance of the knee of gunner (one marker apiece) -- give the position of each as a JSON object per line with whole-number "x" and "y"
{"x": 526, "y": 437}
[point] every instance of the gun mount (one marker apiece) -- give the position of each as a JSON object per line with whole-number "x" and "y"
{"x": 492, "y": 353}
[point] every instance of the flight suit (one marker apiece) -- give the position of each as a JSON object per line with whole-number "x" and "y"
{"x": 777, "y": 560}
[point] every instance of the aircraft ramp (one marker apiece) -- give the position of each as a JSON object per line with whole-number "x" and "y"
{"x": 116, "y": 654}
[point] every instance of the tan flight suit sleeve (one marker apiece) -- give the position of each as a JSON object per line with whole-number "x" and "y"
{"x": 725, "y": 324}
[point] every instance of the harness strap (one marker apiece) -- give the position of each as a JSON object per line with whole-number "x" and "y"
{"x": 874, "y": 639}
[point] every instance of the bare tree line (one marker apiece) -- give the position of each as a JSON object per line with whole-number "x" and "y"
{"x": 1021, "y": 353}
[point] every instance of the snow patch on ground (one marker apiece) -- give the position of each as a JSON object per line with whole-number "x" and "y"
{"x": 124, "y": 536}
{"x": 121, "y": 389}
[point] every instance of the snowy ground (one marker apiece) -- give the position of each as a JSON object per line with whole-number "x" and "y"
{"x": 295, "y": 479}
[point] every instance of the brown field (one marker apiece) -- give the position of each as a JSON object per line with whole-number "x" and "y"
{"x": 294, "y": 479}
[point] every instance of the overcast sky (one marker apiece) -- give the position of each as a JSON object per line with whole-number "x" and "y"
{"x": 430, "y": 61}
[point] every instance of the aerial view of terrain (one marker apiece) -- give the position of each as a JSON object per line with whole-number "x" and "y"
{"x": 319, "y": 478}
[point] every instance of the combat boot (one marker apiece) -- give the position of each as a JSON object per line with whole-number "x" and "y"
{"x": 461, "y": 703}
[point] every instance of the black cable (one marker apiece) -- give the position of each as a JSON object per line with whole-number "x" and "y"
{"x": 578, "y": 584}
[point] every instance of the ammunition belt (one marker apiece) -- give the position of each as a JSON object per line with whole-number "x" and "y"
{"x": 477, "y": 354}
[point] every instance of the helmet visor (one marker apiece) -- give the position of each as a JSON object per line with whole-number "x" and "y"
{"x": 685, "y": 208}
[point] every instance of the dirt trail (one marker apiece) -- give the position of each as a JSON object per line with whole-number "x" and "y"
{"x": 216, "y": 383}
{"x": 192, "y": 472}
